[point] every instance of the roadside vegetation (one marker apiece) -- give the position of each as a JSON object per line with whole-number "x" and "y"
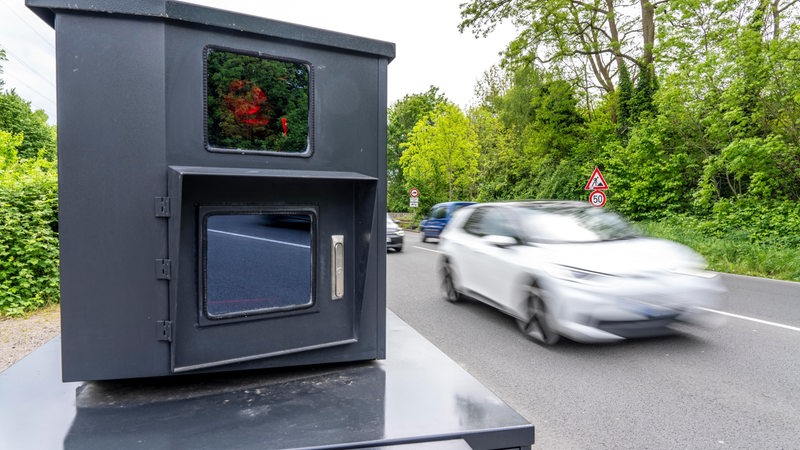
{"x": 28, "y": 207}
{"x": 731, "y": 252}
{"x": 690, "y": 108}
{"x": 28, "y": 230}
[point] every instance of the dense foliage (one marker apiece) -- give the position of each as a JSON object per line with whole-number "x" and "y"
{"x": 28, "y": 229}
{"x": 690, "y": 108}
{"x": 441, "y": 155}
{"x": 403, "y": 116}
{"x": 29, "y": 275}
{"x": 16, "y": 117}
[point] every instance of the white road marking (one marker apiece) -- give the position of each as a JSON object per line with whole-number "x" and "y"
{"x": 752, "y": 319}
{"x": 247, "y": 236}
{"x": 427, "y": 249}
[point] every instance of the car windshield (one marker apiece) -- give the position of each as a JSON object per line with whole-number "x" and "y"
{"x": 571, "y": 225}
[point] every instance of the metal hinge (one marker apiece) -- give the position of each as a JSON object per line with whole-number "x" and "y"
{"x": 162, "y": 207}
{"x": 164, "y": 330}
{"x": 163, "y": 269}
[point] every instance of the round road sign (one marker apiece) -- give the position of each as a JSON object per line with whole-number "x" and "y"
{"x": 597, "y": 198}
{"x": 414, "y": 192}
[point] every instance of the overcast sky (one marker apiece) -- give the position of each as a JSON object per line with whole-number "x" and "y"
{"x": 430, "y": 50}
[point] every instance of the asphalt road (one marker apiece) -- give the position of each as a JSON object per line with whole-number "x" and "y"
{"x": 733, "y": 386}
{"x": 252, "y": 263}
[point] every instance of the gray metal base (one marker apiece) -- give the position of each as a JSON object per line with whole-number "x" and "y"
{"x": 416, "y": 398}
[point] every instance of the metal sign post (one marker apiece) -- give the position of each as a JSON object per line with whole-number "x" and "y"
{"x": 414, "y": 199}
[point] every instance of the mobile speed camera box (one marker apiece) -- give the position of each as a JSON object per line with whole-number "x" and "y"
{"x": 221, "y": 190}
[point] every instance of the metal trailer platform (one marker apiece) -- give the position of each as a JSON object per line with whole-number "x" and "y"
{"x": 416, "y": 398}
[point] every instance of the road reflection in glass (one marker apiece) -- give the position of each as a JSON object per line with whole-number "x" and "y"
{"x": 257, "y": 263}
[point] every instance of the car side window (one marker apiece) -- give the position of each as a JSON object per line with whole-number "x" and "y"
{"x": 474, "y": 224}
{"x": 439, "y": 213}
{"x": 496, "y": 222}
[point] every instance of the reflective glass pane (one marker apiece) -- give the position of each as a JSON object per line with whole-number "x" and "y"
{"x": 256, "y": 103}
{"x": 257, "y": 263}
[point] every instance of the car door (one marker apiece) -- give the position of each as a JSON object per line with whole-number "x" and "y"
{"x": 437, "y": 221}
{"x": 465, "y": 255}
{"x": 483, "y": 264}
{"x": 496, "y": 266}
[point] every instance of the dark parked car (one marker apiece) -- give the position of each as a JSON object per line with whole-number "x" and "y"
{"x": 438, "y": 217}
{"x": 394, "y": 235}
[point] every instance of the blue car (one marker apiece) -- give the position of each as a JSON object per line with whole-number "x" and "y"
{"x": 437, "y": 218}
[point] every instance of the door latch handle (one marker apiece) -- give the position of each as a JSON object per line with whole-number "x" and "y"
{"x": 337, "y": 266}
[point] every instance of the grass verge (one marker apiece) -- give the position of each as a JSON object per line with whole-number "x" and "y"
{"x": 734, "y": 252}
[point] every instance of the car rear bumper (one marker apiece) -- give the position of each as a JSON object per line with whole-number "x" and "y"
{"x": 394, "y": 242}
{"x": 431, "y": 233}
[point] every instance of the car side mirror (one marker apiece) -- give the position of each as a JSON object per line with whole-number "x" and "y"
{"x": 500, "y": 241}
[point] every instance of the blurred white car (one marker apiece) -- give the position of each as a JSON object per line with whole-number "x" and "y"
{"x": 570, "y": 269}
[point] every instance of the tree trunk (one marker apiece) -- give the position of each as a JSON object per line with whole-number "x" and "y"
{"x": 648, "y": 34}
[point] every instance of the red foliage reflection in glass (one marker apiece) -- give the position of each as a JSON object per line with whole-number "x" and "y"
{"x": 247, "y": 102}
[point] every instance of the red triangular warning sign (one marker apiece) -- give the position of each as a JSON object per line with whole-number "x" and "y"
{"x": 596, "y": 181}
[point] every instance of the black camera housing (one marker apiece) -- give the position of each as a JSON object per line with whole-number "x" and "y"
{"x": 222, "y": 190}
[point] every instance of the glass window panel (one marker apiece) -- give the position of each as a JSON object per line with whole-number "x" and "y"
{"x": 256, "y": 103}
{"x": 257, "y": 263}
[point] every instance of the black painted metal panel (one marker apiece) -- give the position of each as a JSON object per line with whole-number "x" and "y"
{"x": 132, "y": 104}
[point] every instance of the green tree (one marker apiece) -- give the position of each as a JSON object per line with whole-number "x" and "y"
{"x": 403, "y": 115}
{"x": 2, "y": 58}
{"x": 757, "y": 168}
{"x": 652, "y": 176}
{"x": 642, "y": 102}
{"x": 28, "y": 229}
{"x": 17, "y": 117}
{"x": 624, "y": 99}
{"x": 540, "y": 111}
{"x": 496, "y": 154}
{"x": 491, "y": 87}
{"x": 441, "y": 157}
{"x": 589, "y": 40}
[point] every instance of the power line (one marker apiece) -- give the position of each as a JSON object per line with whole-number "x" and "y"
{"x": 33, "y": 71}
{"x": 42, "y": 96}
{"x": 28, "y": 24}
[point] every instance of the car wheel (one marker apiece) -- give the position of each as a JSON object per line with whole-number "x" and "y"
{"x": 537, "y": 325}
{"x": 449, "y": 287}
{"x": 422, "y": 235}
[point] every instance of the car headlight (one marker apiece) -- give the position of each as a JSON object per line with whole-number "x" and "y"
{"x": 575, "y": 274}
{"x": 401, "y": 232}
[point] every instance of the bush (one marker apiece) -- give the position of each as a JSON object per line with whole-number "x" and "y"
{"x": 746, "y": 237}
{"x": 755, "y": 168}
{"x": 650, "y": 178}
{"x": 29, "y": 277}
{"x": 760, "y": 222}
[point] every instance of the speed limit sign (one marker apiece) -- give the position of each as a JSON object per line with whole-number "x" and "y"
{"x": 597, "y": 198}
